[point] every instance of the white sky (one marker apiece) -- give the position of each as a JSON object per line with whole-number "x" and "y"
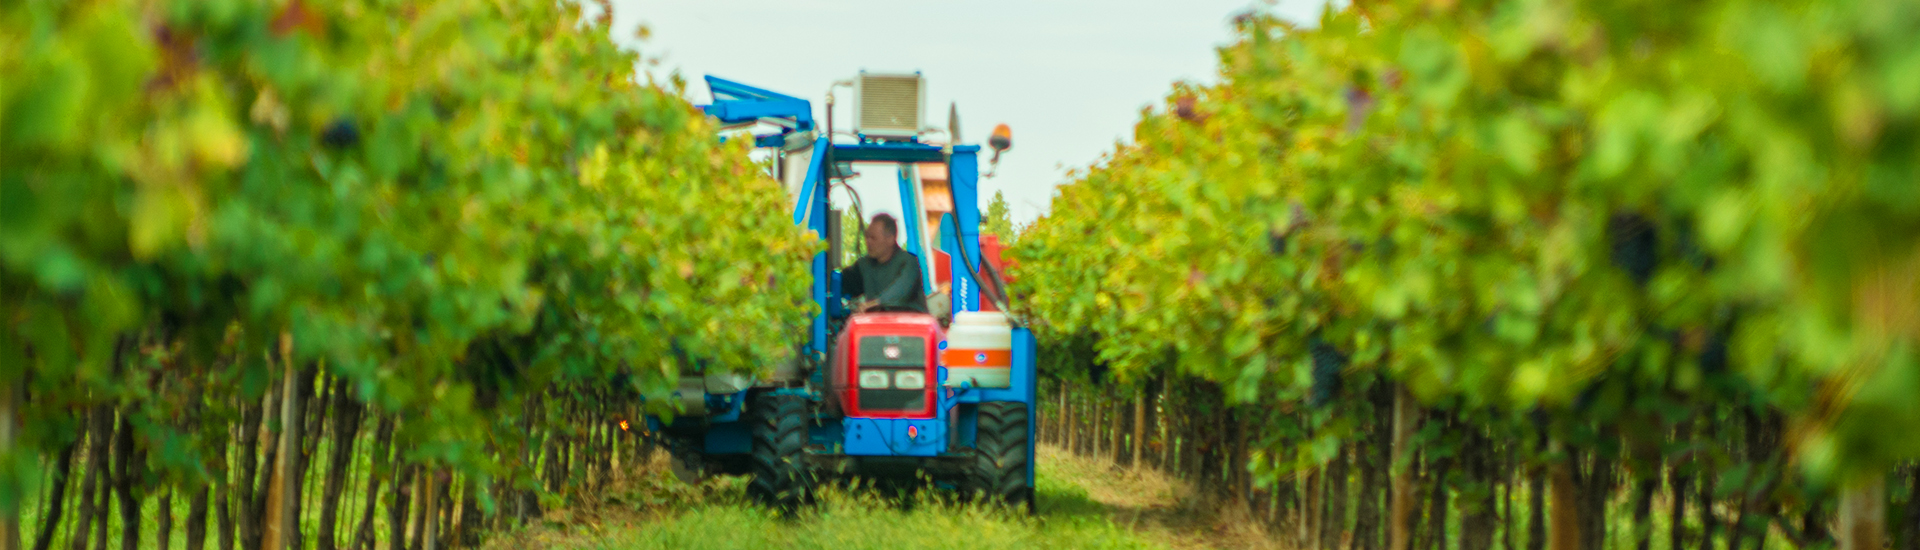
{"x": 1069, "y": 77}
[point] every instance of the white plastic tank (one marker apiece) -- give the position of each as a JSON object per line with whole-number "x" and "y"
{"x": 979, "y": 349}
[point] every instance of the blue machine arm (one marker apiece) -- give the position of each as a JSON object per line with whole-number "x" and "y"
{"x": 736, "y": 103}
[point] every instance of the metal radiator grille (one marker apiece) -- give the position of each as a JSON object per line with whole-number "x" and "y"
{"x": 890, "y": 105}
{"x": 893, "y": 400}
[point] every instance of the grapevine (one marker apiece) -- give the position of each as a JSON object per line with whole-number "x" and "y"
{"x": 1608, "y": 225}
{"x": 465, "y": 222}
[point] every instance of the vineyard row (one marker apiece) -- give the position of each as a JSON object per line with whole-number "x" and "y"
{"x": 1611, "y": 256}
{"x": 1499, "y": 486}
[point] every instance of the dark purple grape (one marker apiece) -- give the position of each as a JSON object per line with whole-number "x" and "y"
{"x": 1636, "y": 246}
{"x": 1713, "y": 356}
{"x": 1327, "y": 364}
{"x": 341, "y": 134}
{"x": 1276, "y": 242}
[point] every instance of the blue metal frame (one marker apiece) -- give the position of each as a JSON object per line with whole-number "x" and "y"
{"x": 888, "y": 436}
{"x": 964, "y": 169}
{"x": 736, "y": 103}
{"x": 728, "y": 438}
{"x": 812, "y": 187}
{"x": 811, "y": 212}
{"x": 912, "y": 221}
{"x": 886, "y": 151}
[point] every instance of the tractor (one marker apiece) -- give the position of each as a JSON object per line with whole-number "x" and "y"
{"x": 898, "y": 396}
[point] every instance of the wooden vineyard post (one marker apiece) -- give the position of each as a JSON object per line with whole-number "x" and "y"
{"x": 1863, "y": 515}
{"x": 1239, "y": 479}
{"x": 1151, "y": 430}
{"x": 1333, "y": 522}
{"x": 430, "y": 511}
{"x": 1169, "y": 424}
{"x": 1400, "y": 523}
{"x": 269, "y": 526}
{"x": 1564, "y": 519}
{"x": 1096, "y": 430}
{"x": 1067, "y": 413}
{"x": 10, "y": 517}
{"x": 1118, "y": 436}
{"x": 1139, "y": 426}
{"x": 1310, "y": 529}
{"x": 1096, "y": 442}
{"x": 1911, "y": 530}
{"x": 283, "y": 512}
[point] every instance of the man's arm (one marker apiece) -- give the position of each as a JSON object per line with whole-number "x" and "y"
{"x": 852, "y": 281}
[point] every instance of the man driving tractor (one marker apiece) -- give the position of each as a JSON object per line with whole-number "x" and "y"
{"x": 887, "y": 278}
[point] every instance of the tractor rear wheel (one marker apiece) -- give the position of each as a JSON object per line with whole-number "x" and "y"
{"x": 779, "y": 439}
{"x": 1000, "y": 455}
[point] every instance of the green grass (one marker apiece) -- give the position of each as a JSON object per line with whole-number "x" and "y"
{"x": 856, "y": 519}
{"x": 658, "y": 512}
{"x": 653, "y": 511}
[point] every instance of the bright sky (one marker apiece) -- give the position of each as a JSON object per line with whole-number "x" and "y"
{"x": 1069, "y": 77}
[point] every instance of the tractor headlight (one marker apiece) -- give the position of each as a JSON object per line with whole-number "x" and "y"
{"x": 873, "y": 379}
{"x": 910, "y": 380}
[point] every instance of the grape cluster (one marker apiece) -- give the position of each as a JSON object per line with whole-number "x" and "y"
{"x": 1328, "y": 365}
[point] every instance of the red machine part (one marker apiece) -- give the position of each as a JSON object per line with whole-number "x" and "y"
{"x": 990, "y": 249}
{"x": 942, "y": 273}
{"x": 877, "y": 361}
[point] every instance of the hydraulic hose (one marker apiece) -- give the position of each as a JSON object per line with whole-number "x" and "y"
{"x": 859, "y": 210}
{"x": 1000, "y": 286}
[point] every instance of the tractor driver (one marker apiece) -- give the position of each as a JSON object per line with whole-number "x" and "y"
{"x": 887, "y": 278}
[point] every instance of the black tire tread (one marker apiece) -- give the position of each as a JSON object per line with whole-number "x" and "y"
{"x": 1000, "y": 451}
{"x": 779, "y": 470}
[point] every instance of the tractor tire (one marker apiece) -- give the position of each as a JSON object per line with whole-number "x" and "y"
{"x": 1000, "y": 455}
{"x": 780, "y": 477}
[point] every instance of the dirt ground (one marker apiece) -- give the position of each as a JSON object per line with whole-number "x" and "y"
{"x": 1158, "y": 506}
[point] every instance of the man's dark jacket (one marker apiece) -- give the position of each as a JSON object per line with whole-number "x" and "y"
{"x": 895, "y": 284}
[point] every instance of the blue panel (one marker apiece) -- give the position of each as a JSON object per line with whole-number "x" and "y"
{"x": 1024, "y": 375}
{"x": 967, "y": 427}
{"x": 811, "y": 209}
{"x": 729, "y": 438}
{"x": 888, "y": 437}
{"x": 931, "y": 437}
{"x": 739, "y": 103}
{"x": 728, "y": 89}
{"x": 821, "y": 297}
{"x": 911, "y": 207}
{"x": 808, "y": 186}
{"x": 889, "y": 152}
{"x": 736, "y": 111}
{"x": 963, "y": 291}
{"x": 770, "y": 140}
{"x": 863, "y": 438}
{"x": 826, "y": 432}
{"x": 834, "y": 307}
{"x": 726, "y": 407}
{"x": 949, "y": 242}
{"x": 965, "y": 172}
{"x": 1020, "y": 387}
